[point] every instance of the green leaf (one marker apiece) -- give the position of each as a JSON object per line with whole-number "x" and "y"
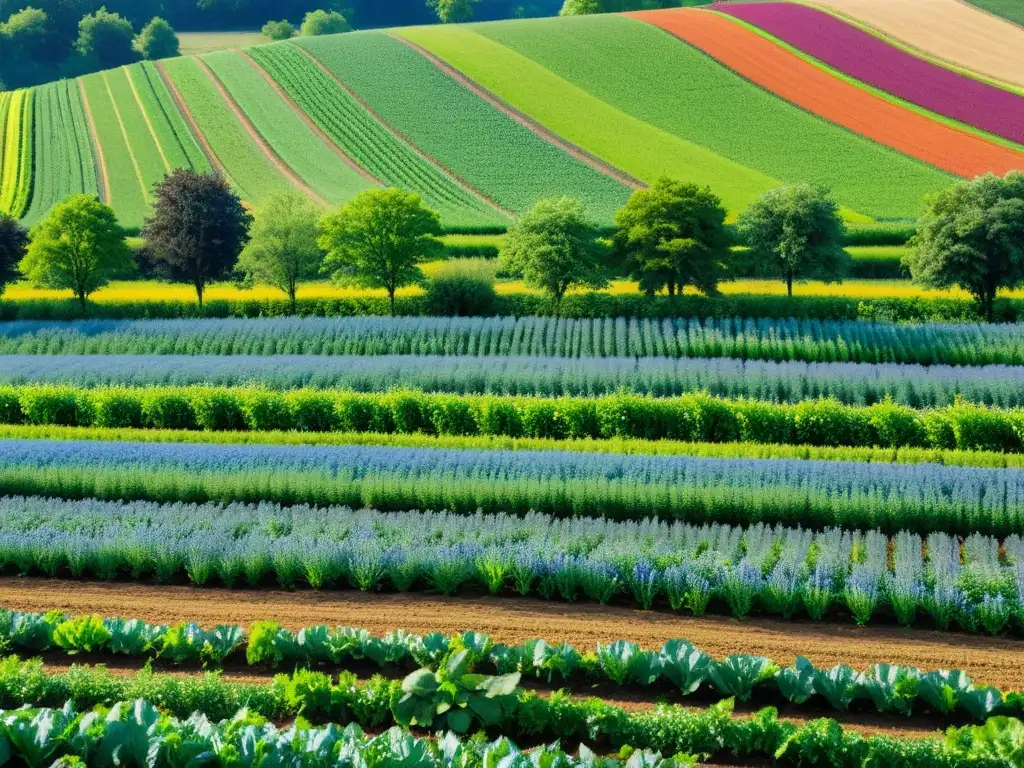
{"x": 459, "y": 720}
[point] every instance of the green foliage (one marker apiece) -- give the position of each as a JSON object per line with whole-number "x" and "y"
{"x": 580, "y": 7}
{"x": 673, "y": 235}
{"x": 107, "y": 38}
{"x": 795, "y": 233}
{"x": 282, "y": 249}
{"x": 84, "y": 633}
{"x": 378, "y": 240}
{"x": 197, "y": 230}
{"x": 555, "y": 248}
{"x": 157, "y": 40}
{"x": 13, "y": 247}
{"x": 972, "y": 236}
{"x": 463, "y": 289}
{"x": 452, "y": 11}
{"x": 77, "y": 247}
{"x": 278, "y": 30}
{"x": 322, "y": 22}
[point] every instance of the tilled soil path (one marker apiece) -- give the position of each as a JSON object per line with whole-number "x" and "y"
{"x": 991, "y": 661}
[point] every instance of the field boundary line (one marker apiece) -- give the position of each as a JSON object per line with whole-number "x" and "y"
{"x": 261, "y": 143}
{"x": 465, "y": 185}
{"x": 522, "y": 118}
{"x": 186, "y": 113}
{"x": 145, "y": 116}
{"x": 301, "y": 113}
{"x": 102, "y": 179}
{"x": 127, "y": 141}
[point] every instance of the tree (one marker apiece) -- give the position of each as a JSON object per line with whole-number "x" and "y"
{"x": 580, "y": 7}
{"x": 197, "y": 230}
{"x": 13, "y": 245}
{"x": 324, "y": 23}
{"x": 795, "y": 233}
{"x": 452, "y": 11}
{"x": 77, "y": 247}
{"x": 278, "y": 30}
{"x": 555, "y": 248}
{"x": 27, "y": 33}
{"x": 378, "y": 239}
{"x": 107, "y": 38}
{"x": 283, "y": 248}
{"x": 157, "y": 40}
{"x": 673, "y": 235}
{"x": 971, "y": 235}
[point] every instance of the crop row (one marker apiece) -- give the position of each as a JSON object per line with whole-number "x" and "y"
{"x": 174, "y": 138}
{"x": 690, "y": 418}
{"x": 63, "y": 154}
{"x": 678, "y": 666}
{"x": 788, "y": 382}
{"x": 976, "y": 583}
{"x": 524, "y": 716}
{"x": 493, "y": 152}
{"x": 17, "y": 115}
{"x": 366, "y": 140}
{"x": 779, "y": 340}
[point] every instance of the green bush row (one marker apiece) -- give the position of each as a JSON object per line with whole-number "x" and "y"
{"x": 692, "y": 418}
{"x": 319, "y": 698}
{"x": 584, "y": 305}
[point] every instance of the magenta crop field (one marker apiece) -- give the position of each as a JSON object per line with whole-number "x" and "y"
{"x": 873, "y": 61}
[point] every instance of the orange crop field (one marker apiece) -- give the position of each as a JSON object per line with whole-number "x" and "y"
{"x": 799, "y": 82}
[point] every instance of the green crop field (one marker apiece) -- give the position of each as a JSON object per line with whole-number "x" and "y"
{"x": 64, "y": 162}
{"x": 284, "y": 130}
{"x": 752, "y": 127}
{"x": 196, "y": 43}
{"x": 367, "y": 141}
{"x": 175, "y": 141}
{"x": 496, "y": 155}
{"x": 146, "y": 151}
{"x": 128, "y": 188}
{"x": 1011, "y": 10}
{"x": 622, "y": 140}
{"x": 17, "y": 114}
{"x": 254, "y": 176}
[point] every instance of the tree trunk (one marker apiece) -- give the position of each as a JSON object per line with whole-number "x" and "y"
{"x": 199, "y": 294}
{"x": 990, "y": 306}
{"x": 81, "y": 302}
{"x": 291, "y": 295}
{"x": 391, "y": 298}
{"x": 789, "y": 284}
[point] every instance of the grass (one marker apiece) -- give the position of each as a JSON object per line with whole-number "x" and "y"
{"x": 250, "y": 170}
{"x": 127, "y": 193}
{"x": 715, "y": 108}
{"x": 284, "y": 130}
{"x": 492, "y": 152}
{"x": 196, "y": 43}
{"x": 63, "y": 157}
{"x": 630, "y": 144}
{"x": 367, "y": 141}
{"x": 173, "y": 137}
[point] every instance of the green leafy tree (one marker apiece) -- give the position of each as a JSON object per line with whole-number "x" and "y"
{"x": 324, "y": 23}
{"x": 555, "y": 248}
{"x": 673, "y": 235}
{"x": 452, "y": 11}
{"x": 795, "y": 233}
{"x": 278, "y": 30}
{"x": 580, "y": 7}
{"x": 971, "y": 235}
{"x": 197, "y": 230}
{"x": 378, "y": 240}
{"x": 77, "y": 247}
{"x": 13, "y": 245}
{"x": 107, "y": 38}
{"x": 283, "y": 250}
{"x": 157, "y": 40}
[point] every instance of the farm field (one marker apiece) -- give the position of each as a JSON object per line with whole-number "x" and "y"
{"x": 197, "y": 43}
{"x": 1008, "y": 9}
{"x": 483, "y": 525}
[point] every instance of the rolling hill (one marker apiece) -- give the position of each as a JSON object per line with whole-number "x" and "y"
{"x": 483, "y": 120}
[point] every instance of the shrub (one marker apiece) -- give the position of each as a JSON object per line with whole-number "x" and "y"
{"x": 278, "y": 30}
{"x": 167, "y": 410}
{"x": 764, "y": 423}
{"x": 313, "y": 412}
{"x": 979, "y": 429}
{"x": 463, "y": 288}
{"x": 828, "y": 422}
{"x": 60, "y": 406}
{"x": 897, "y": 426}
{"x": 118, "y": 409}
{"x": 217, "y": 410}
{"x": 266, "y": 411}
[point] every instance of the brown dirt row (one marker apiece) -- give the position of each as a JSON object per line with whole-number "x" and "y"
{"x": 102, "y": 178}
{"x": 989, "y": 660}
{"x": 401, "y": 137}
{"x": 268, "y": 151}
{"x": 204, "y": 145}
{"x": 522, "y": 118}
{"x": 301, "y": 113}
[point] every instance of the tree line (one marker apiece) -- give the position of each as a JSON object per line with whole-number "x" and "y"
{"x": 667, "y": 237}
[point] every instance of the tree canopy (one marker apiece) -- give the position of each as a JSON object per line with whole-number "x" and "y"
{"x": 555, "y": 248}
{"x": 157, "y": 40}
{"x": 278, "y": 30}
{"x": 321, "y": 22}
{"x": 453, "y": 11}
{"x": 795, "y": 233}
{"x": 77, "y": 247}
{"x": 672, "y": 235}
{"x": 971, "y": 235}
{"x": 197, "y": 229}
{"x": 378, "y": 239}
{"x": 107, "y": 38}
{"x": 13, "y": 246}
